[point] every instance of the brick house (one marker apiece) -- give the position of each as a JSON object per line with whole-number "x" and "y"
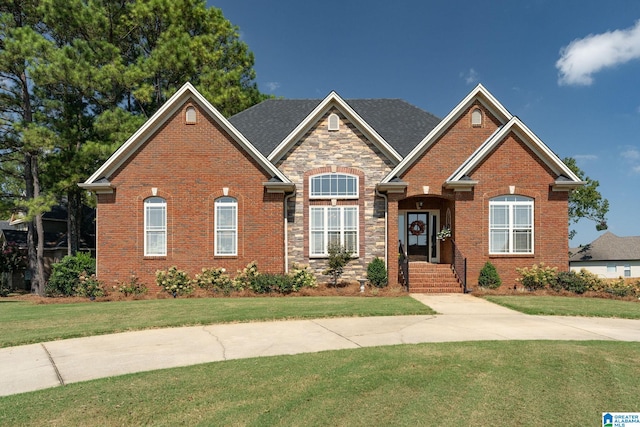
{"x": 281, "y": 180}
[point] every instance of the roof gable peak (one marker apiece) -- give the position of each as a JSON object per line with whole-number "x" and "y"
{"x": 330, "y": 101}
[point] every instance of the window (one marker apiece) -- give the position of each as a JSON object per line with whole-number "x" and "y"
{"x": 511, "y": 225}
{"x": 155, "y": 226}
{"x": 611, "y": 268}
{"x": 226, "y": 226}
{"x": 190, "y": 115}
{"x": 333, "y": 225}
{"x": 333, "y": 186}
{"x": 476, "y": 117}
{"x": 627, "y": 270}
{"x": 334, "y": 122}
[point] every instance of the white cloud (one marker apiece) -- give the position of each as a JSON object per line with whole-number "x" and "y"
{"x": 272, "y": 86}
{"x": 584, "y": 57}
{"x": 631, "y": 154}
{"x": 470, "y": 76}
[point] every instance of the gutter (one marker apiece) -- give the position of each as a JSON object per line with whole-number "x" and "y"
{"x": 286, "y": 233}
{"x": 386, "y": 227}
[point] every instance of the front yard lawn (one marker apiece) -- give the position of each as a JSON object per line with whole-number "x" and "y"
{"x": 498, "y": 383}
{"x": 24, "y": 322}
{"x": 568, "y": 306}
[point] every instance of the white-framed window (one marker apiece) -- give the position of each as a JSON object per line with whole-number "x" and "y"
{"x": 333, "y": 186}
{"x": 627, "y": 270}
{"x": 226, "y": 226}
{"x": 333, "y": 225}
{"x": 155, "y": 226}
{"x": 611, "y": 268}
{"x": 511, "y": 225}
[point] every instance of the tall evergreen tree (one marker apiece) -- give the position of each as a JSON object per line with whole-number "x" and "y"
{"x": 95, "y": 70}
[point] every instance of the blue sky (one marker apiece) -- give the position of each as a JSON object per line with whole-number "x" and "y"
{"x": 569, "y": 69}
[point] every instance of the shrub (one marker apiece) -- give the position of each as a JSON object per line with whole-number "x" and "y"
{"x": 339, "y": 257}
{"x": 377, "y": 273}
{"x": 489, "y": 277}
{"x": 266, "y": 283}
{"x": 570, "y": 281}
{"x": 132, "y": 287}
{"x": 174, "y": 281}
{"x": 65, "y": 275}
{"x": 89, "y": 286}
{"x": 301, "y": 277}
{"x": 214, "y": 280}
{"x": 246, "y": 277}
{"x": 538, "y": 277}
{"x": 620, "y": 288}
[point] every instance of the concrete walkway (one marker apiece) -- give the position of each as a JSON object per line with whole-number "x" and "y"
{"x": 460, "y": 318}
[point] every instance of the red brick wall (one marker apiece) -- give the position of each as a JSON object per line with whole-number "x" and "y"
{"x": 189, "y": 165}
{"x": 511, "y": 163}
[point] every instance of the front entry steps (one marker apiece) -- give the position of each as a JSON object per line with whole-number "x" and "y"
{"x": 430, "y": 278}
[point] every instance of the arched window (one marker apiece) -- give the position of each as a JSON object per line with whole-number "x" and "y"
{"x": 476, "y": 117}
{"x": 226, "y": 226}
{"x": 190, "y": 115}
{"x": 511, "y": 225}
{"x": 334, "y": 122}
{"x": 155, "y": 226}
{"x": 333, "y": 186}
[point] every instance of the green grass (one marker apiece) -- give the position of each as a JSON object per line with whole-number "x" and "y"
{"x": 25, "y": 323}
{"x": 499, "y": 383}
{"x": 569, "y": 306}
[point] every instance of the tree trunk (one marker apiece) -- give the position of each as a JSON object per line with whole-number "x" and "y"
{"x": 32, "y": 238}
{"x": 74, "y": 220}
{"x": 39, "y": 273}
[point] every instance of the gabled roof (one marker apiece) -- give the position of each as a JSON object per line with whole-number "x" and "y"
{"x": 480, "y": 94}
{"x": 608, "y": 247}
{"x": 565, "y": 180}
{"x": 99, "y": 181}
{"x": 392, "y": 124}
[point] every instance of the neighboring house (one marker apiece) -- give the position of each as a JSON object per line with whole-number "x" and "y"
{"x": 54, "y": 223}
{"x": 608, "y": 256}
{"x": 282, "y": 180}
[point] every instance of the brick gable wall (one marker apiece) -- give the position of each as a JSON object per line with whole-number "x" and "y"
{"x": 511, "y": 163}
{"x": 190, "y": 166}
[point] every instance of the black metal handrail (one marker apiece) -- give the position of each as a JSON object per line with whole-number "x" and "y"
{"x": 403, "y": 265}
{"x": 459, "y": 265}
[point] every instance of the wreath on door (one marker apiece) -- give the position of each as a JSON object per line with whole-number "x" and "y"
{"x": 416, "y": 228}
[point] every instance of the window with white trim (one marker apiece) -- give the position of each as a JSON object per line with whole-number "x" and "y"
{"x": 333, "y": 225}
{"x": 226, "y": 226}
{"x": 333, "y": 186}
{"x": 155, "y": 226}
{"x": 511, "y": 225}
{"x": 627, "y": 270}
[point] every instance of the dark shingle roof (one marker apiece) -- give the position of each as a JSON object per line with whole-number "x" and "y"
{"x": 401, "y": 124}
{"x": 608, "y": 247}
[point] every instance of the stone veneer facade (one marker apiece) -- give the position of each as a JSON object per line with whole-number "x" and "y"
{"x": 346, "y": 150}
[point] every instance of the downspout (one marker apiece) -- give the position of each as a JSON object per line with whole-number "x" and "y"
{"x": 386, "y": 227}
{"x": 286, "y": 234}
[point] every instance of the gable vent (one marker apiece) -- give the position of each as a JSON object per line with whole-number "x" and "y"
{"x": 334, "y": 122}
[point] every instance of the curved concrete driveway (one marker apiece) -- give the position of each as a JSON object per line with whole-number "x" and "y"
{"x": 460, "y": 318}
